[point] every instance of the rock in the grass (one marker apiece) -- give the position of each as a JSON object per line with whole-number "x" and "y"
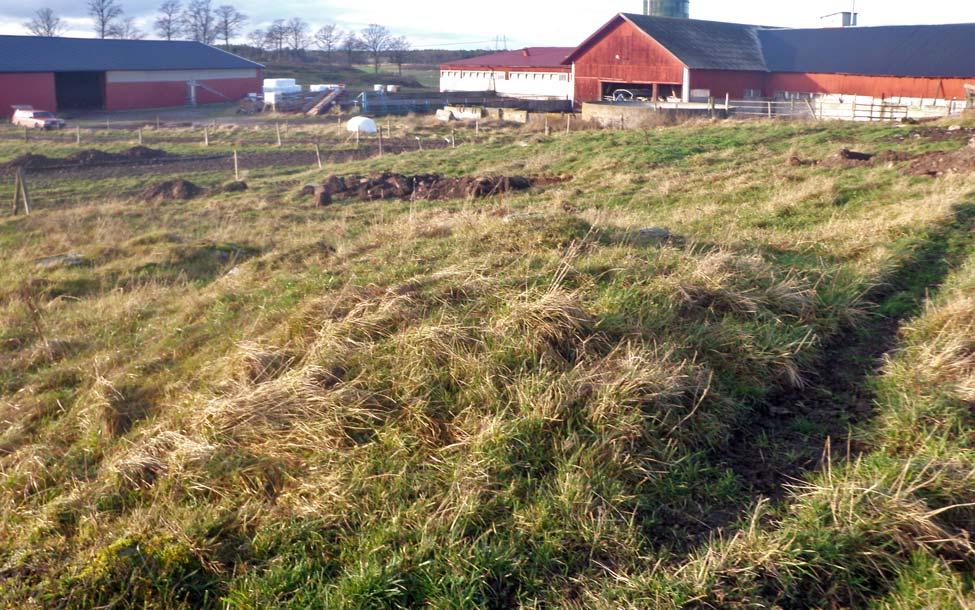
{"x": 235, "y": 186}
{"x": 955, "y": 128}
{"x": 61, "y": 260}
{"x": 654, "y": 234}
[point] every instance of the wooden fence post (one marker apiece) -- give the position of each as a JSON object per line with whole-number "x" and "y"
{"x": 727, "y": 102}
{"x": 277, "y": 128}
{"x": 380, "y": 142}
{"x": 77, "y": 135}
{"x": 568, "y": 123}
{"x": 770, "y": 109}
{"x": 21, "y": 192}
{"x": 318, "y": 155}
{"x": 206, "y": 136}
{"x": 16, "y": 192}
{"x": 236, "y": 167}
{"x": 140, "y": 136}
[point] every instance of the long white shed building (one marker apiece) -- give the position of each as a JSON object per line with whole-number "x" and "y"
{"x": 531, "y": 73}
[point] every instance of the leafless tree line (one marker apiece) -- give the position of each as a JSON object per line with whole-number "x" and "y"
{"x": 199, "y": 20}
{"x": 294, "y": 36}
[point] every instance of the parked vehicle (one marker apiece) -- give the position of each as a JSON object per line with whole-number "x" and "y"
{"x": 27, "y": 116}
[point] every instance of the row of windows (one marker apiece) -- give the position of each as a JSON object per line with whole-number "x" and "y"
{"x": 502, "y": 76}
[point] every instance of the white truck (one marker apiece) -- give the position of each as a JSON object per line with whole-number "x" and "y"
{"x": 27, "y": 116}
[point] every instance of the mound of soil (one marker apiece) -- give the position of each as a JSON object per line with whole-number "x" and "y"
{"x": 30, "y": 161}
{"x": 852, "y": 158}
{"x": 85, "y": 158}
{"x": 940, "y": 163}
{"x": 90, "y": 157}
{"x": 422, "y": 186}
{"x": 172, "y": 190}
{"x": 143, "y": 152}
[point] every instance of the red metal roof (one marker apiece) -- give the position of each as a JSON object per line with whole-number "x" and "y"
{"x": 531, "y": 57}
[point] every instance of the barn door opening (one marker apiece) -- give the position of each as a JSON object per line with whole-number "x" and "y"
{"x": 80, "y": 90}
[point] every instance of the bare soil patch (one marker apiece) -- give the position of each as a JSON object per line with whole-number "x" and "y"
{"x": 850, "y": 158}
{"x": 172, "y": 190}
{"x": 938, "y": 164}
{"x": 422, "y": 186}
{"x": 84, "y": 158}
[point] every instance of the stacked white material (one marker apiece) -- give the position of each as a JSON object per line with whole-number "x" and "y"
{"x": 323, "y": 88}
{"x": 379, "y": 88}
{"x": 280, "y": 86}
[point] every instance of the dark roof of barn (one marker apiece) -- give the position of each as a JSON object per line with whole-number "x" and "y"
{"x": 40, "y": 54}
{"x": 531, "y": 57}
{"x": 916, "y": 50}
{"x": 919, "y": 50}
{"x": 705, "y": 45}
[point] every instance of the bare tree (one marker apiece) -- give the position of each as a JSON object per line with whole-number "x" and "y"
{"x": 229, "y": 23}
{"x": 276, "y": 35}
{"x": 257, "y": 39}
{"x": 169, "y": 23}
{"x": 375, "y": 40}
{"x": 328, "y": 38}
{"x": 199, "y": 22}
{"x": 45, "y": 23}
{"x": 127, "y": 30}
{"x": 105, "y": 13}
{"x": 350, "y": 45}
{"x": 297, "y": 34}
{"x": 399, "y": 50}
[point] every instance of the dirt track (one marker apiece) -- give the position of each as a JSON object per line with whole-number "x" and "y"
{"x": 174, "y": 165}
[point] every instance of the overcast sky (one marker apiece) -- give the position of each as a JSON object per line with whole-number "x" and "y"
{"x": 435, "y": 23}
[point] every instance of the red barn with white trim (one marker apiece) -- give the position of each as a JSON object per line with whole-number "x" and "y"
{"x": 688, "y": 59}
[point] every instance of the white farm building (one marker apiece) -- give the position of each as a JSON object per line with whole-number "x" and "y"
{"x": 532, "y": 73}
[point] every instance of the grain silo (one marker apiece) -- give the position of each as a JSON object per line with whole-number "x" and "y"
{"x": 678, "y": 9}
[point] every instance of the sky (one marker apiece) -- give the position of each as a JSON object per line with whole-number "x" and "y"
{"x": 439, "y": 24}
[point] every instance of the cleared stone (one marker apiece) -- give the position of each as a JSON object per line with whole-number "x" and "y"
{"x": 61, "y": 260}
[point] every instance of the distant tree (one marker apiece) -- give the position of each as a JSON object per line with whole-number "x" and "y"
{"x": 168, "y": 22}
{"x": 257, "y": 39}
{"x": 350, "y": 45}
{"x": 127, "y": 30}
{"x": 229, "y": 23}
{"x": 296, "y": 33}
{"x": 105, "y": 13}
{"x": 375, "y": 39}
{"x": 399, "y": 50}
{"x": 45, "y": 23}
{"x": 276, "y": 36}
{"x": 199, "y": 21}
{"x": 328, "y": 38}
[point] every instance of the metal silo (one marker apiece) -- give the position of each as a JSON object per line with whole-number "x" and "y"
{"x": 679, "y": 9}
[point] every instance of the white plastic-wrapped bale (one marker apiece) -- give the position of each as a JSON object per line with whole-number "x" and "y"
{"x": 361, "y": 124}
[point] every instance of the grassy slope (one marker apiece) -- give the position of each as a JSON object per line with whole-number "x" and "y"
{"x": 481, "y": 403}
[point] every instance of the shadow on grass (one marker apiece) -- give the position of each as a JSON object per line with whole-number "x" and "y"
{"x": 785, "y": 437}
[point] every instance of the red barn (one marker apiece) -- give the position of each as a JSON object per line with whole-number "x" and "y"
{"x": 86, "y": 73}
{"x": 693, "y": 59}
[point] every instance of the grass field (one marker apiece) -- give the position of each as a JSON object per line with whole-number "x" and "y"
{"x": 530, "y": 400}
{"x": 359, "y": 77}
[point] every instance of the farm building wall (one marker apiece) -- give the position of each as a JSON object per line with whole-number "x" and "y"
{"x": 159, "y": 89}
{"x": 623, "y": 54}
{"x": 510, "y": 82}
{"x": 872, "y": 86}
{"x": 34, "y": 89}
{"x": 719, "y": 83}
